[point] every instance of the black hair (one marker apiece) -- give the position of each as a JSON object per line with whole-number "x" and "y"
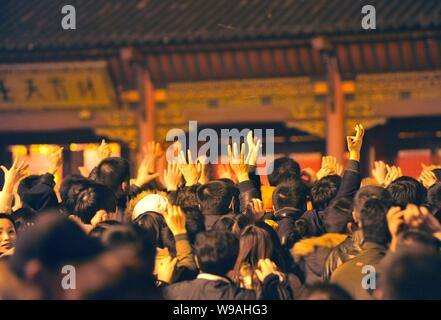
{"x": 8, "y": 217}
{"x": 215, "y": 197}
{"x": 216, "y": 251}
{"x": 69, "y": 190}
{"x": 337, "y": 215}
{"x": 152, "y": 223}
{"x": 437, "y": 173}
{"x": 292, "y": 194}
{"x": 327, "y": 291}
{"x": 284, "y": 169}
{"x": 434, "y": 198}
{"x": 418, "y": 239}
{"x": 235, "y": 191}
{"x": 371, "y": 192}
{"x": 54, "y": 241}
{"x": 98, "y": 230}
{"x": 234, "y": 224}
{"x": 37, "y": 192}
{"x": 405, "y": 190}
{"x": 27, "y": 184}
{"x": 373, "y": 221}
{"x": 112, "y": 172}
{"x": 412, "y": 275}
{"x": 24, "y": 218}
{"x": 194, "y": 223}
{"x": 186, "y": 197}
{"x": 93, "y": 198}
{"x": 324, "y": 190}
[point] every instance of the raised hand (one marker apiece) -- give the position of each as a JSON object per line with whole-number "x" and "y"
{"x": 14, "y": 174}
{"x": 329, "y": 166}
{"x": 172, "y": 177}
{"x": 379, "y": 172}
{"x": 166, "y": 269}
{"x": 104, "y": 151}
{"x": 254, "y": 148}
{"x": 393, "y": 173}
{"x": 225, "y": 172}
{"x": 428, "y": 178}
{"x": 257, "y": 209}
{"x": 238, "y": 163}
{"x": 190, "y": 170}
{"x": 175, "y": 219}
{"x": 56, "y": 160}
{"x": 153, "y": 152}
{"x": 355, "y": 143}
{"x": 144, "y": 174}
{"x": 265, "y": 267}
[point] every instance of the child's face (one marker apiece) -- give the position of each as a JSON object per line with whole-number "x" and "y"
{"x": 7, "y": 235}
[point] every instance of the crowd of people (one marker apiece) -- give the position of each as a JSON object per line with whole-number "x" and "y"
{"x": 214, "y": 232}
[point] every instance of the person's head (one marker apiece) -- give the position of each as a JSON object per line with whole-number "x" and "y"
{"x": 434, "y": 198}
{"x": 338, "y": 216}
{"x": 366, "y": 193}
{"x": 323, "y": 191}
{"x": 35, "y": 197}
{"x": 284, "y": 169}
{"x": 43, "y": 250}
{"x": 411, "y": 275}
{"x": 373, "y": 221}
{"x": 327, "y": 291}
{"x": 69, "y": 189}
{"x": 150, "y": 202}
{"x": 291, "y": 194}
{"x": 152, "y": 223}
{"x": 93, "y": 203}
{"x": 194, "y": 223}
{"x": 216, "y": 252}
{"x": 187, "y": 198}
{"x": 8, "y": 233}
{"x": 98, "y": 230}
{"x": 215, "y": 197}
{"x": 437, "y": 173}
{"x": 24, "y": 218}
{"x": 418, "y": 240}
{"x": 234, "y": 224}
{"x": 254, "y": 243}
{"x": 405, "y": 190}
{"x": 114, "y": 172}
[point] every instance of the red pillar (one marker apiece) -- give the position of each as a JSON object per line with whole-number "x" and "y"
{"x": 335, "y": 118}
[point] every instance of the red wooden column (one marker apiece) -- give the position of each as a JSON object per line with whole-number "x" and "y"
{"x": 148, "y": 118}
{"x": 335, "y": 114}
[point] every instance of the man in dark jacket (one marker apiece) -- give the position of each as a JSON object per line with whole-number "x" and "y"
{"x": 216, "y": 253}
{"x": 350, "y": 275}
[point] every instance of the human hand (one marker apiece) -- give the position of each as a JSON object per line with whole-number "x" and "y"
{"x": 355, "y": 143}
{"x": 428, "y": 178}
{"x": 379, "y": 172}
{"x": 257, "y": 209}
{"x": 191, "y": 171}
{"x": 237, "y": 162}
{"x": 395, "y": 218}
{"x": 204, "y": 174}
{"x": 104, "y": 151}
{"x": 166, "y": 269}
{"x": 393, "y": 173}
{"x": 253, "y": 149}
{"x": 14, "y": 174}
{"x": 144, "y": 176}
{"x": 56, "y": 160}
{"x": 175, "y": 220}
{"x": 329, "y": 166}
{"x": 265, "y": 267}
{"x": 172, "y": 177}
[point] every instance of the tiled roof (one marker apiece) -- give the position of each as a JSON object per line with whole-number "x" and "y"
{"x": 36, "y": 24}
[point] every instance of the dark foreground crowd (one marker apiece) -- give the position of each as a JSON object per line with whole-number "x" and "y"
{"x": 214, "y": 232}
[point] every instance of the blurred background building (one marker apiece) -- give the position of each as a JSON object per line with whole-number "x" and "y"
{"x": 133, "y": 69}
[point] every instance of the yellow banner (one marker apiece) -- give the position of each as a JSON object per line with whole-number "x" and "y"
{"x": 82, "y": 85}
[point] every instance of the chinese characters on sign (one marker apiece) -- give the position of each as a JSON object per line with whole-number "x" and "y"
{"x": 55, "y": 86}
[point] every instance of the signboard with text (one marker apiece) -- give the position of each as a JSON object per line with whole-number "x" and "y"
{"x": 70, "y": 85}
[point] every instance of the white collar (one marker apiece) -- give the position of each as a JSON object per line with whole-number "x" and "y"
{"x": 212, "y": 277}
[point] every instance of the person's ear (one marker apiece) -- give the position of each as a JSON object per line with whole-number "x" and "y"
{"x": 350, "y": 227}
{"x": 231, "y": 206}
{"x": 125, "y": 186}
{"x": 355, "y": 216}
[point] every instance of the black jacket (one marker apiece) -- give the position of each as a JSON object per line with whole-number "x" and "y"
{"x": 202, "y": 289}
{"x": 286, "y": 219}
